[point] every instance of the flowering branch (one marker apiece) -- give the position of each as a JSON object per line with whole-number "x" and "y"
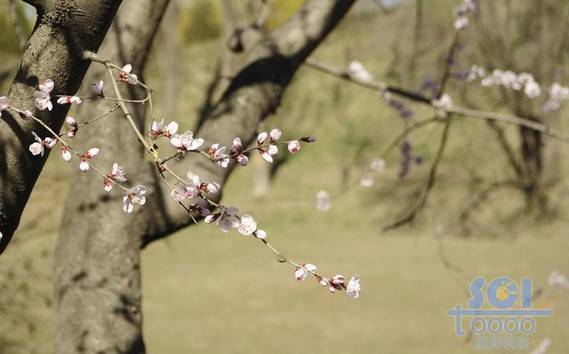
{"x": 197, "y": 192}
{"x": 418, "y": 98}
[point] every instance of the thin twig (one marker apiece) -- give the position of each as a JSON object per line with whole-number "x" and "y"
{"x": 428, "y": 186}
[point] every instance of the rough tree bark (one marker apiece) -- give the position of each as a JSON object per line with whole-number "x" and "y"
{"x": 97, "y": 274}
{"x": 64, "y": 29}
{"x": 97, "y": 263}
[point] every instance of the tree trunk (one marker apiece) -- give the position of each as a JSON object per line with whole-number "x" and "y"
{"x": 97, "y": 264}
{"x": 63, "y": 31}
{"x": 97, "y": 257}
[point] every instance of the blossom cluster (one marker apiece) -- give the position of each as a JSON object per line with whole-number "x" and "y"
{"x": 323, "y": 202}
{"x": 357, "y": 70}
{"x": 335, "y": 283}
{"x": 461, "y": 13}
{"x": 375, "y": 167}
{"x": 195, "y": 196}
{"x": 523, "y": 82}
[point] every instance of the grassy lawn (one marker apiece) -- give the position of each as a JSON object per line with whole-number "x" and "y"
{"x": 209, "y": 292}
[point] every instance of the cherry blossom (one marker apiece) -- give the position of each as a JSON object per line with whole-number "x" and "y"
{"x": 117, "y": 174}
{"x": 74, "y": 126}
{"x": 377, "y": 165}
{"x": 135, "y": 195}
{"x": 336, "y": 283}
{"x": 185, "y": 141}
{"x": 357, "y": 71}
{"x": 43, "y": 98}
{"x": 506, "y": 78}
{"x": 367, "y": 181}
{"x": 293, "y": 146}
{"x": 69, "y": 100}
{"x": 302, "y": 272}
{"x": 248, "y": 226}
{"x": 260, "y": 234}
{"x": 65, "y": 153}
{"x": 354, "y": 287}
{"x": 200, "y": 206}
{"x": 39, "y": 146}
{"x": 126, "y": 76}
{"x": 4, "y": 104}
{"x": 558, "y": 280}
{"x": 323, "y": 201}
{"x": 225, "y": 218}
{"x": 462, "y": 12}
{"x": 267, "y": 153}
{"x": 237, "y": 152}
{"x": 218, "y": 155}
{"x": 445, "y": 102}
{"x": 157, "y": 129}
{"x": 84, "y": 165}
{"x": 322, "y": 281}
{"x": 476, "y": 72}
{"x": 194, "y": 189}
{"x": 97, "y": 88}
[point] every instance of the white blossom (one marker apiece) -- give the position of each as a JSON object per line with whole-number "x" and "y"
{"x": 354, "y": 287}
{"x": 302, "y": 272}
{"x": 97, "y": 88}
{"x": 336, "y": 283}
{"x": 84, "y": 165}
{"x": 136, "y": 195}
{"x": 248, "y": 225}
{"x": 39, "y": 146}
{"x": 377, "y": 165}
{"x": 185, "y": 141}
{"x": 69, "y": 100}
{"x": 293, "y": 146}
{"x": 237, "y": 152}
{"x": 218, "y": 155}
{"x": 367, "y": 181}
{"x": 65, "y": 153}
{"x": 267, "y": 152}
{"x": 43, "y": 97}
{"x": 323, "y": 201}
{"x": 445, "y": 102}
{"x": 126, "y": 76}
{"x": 558, "y": 280}
{"x": 74, "y": 126}
{"x": 357, "y": 71}
{"x": 157, "y": 129}
{"x": 226, "y": 218}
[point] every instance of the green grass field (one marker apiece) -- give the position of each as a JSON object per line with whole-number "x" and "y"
{"x": 209, "y": 292}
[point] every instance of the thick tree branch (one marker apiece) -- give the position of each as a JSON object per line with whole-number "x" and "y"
{"x": 253, "y": 93}
{"x": 97, "y": 256}
{"x": 62, "y": 32}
